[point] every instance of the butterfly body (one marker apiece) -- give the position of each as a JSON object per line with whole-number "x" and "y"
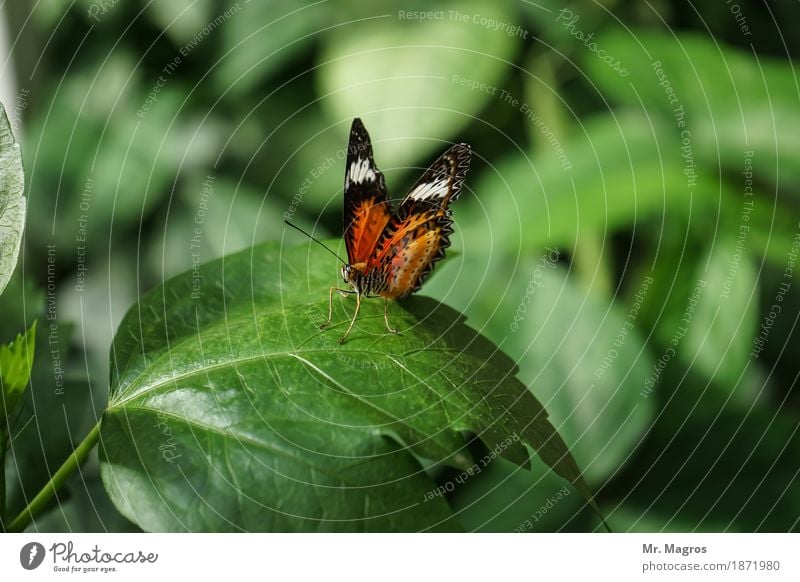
{"x": 391, "y": 250}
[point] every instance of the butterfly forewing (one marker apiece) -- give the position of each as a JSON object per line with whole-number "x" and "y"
{"x": 366, "y": 205}
{"x": 442, "y": 182}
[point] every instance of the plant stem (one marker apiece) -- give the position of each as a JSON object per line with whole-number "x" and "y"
{"x": 590, "y": 263}
{"x": 3, "y": 443}
{"x": 38, "y": 503}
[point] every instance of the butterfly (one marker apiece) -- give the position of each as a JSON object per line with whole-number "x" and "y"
{"x": 392, "y": 250}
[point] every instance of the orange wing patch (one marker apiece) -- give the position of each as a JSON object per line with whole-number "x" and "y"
{"x": 369, "y": 218}
{"x": 367, "y": 208}
{"x": 408, "y": 255}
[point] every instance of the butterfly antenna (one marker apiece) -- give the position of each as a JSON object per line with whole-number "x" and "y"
{"x": 320, "y": 243}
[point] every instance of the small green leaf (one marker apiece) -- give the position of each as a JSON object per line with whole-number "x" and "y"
{"x": 16, "y": 361}
{"x": 12, "y": 202}
{"x": 231, "y": 410}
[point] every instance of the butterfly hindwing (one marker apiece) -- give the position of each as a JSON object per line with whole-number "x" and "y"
{"x": 367, "y": 209}
{"x": 418, "y": 231}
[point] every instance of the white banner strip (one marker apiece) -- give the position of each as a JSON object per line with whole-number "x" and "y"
{"x": 399, "y": 557}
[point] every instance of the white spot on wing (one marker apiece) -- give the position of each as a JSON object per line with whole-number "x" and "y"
{"x": 360, "y": 170}
{"x": 428, "y": 190}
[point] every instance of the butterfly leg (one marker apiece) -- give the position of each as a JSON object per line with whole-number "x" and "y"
{"x": 389, "y": 328}
{"x": 355, "y": 315}
{"x": 327, "y": 323}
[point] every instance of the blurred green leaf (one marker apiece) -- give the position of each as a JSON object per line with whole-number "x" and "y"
{"x": 733, "y": 101}
{"x": 710, "y": 466}
{"x": 504, "y": 498}
{"x": 773, "y": 231}
{"x": 116, "y": 164}
{"x": 48, "y": 14}
{"x": 552, "y": 17}
{"x": 278, "y": 399}
{"x": 83, "y": 506}
{"x": 669, "y": 251}
{"x": 62, "y": 141}
{"x": 707, "y": 77}
{"x": 723, "y": 320}
{"x": 182, "y": 19}
{"x": 12, "y": 202}
{"x": 262, "y": 37}
{"x": 586, "y": 361}
{"x": 212, "y": 217}
{"x": 622, "y": 168}
{"x": 95, "y": 304}
{"x": 398, "y": 75}
{"x": 156, "y": 150}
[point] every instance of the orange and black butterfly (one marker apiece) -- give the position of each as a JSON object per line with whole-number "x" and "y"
{"x": 391, "y": 250}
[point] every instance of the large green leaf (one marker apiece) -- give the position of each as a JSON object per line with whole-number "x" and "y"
{"x": 12, "y": 202}
{"x": 231, "y": 410}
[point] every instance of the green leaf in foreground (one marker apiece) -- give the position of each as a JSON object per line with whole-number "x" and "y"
{"x": 12, "y": 203}
{"x": 231, "y": 410}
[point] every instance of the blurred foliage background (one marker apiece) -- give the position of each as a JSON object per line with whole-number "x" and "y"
{"x": 629, "y": 233}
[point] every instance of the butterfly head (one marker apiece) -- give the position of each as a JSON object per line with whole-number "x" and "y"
{"x": 352, "y": 273}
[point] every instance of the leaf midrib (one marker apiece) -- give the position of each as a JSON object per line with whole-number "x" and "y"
{"x": 224, "y": 323}
{"x": 270, "y": 447}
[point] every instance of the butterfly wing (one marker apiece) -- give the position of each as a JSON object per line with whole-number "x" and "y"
{"x": 418, "y": 231}
{"x": 366, "y": 205}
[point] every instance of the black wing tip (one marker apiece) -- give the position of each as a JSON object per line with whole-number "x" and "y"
{"x": 360, "y": 143}
{"x": 462, "y": 153}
